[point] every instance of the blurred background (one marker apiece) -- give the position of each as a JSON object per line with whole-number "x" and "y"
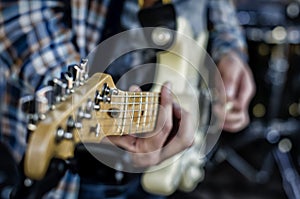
{"x": 263, "y": 161}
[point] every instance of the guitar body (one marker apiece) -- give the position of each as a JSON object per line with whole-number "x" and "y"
{"x": 183, "y": 171}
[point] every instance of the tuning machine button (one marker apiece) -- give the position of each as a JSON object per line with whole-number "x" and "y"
{"x": 28, "y": 106}
{"x": 71, "y": 123}
{"x": 67, "y": 134}
{"x": 97, "y": 100}
{"x": 59, "y": 89}
{"x": 44, "y": 101}
{"x": 82, "y": 114}
{"x": 79, "y": 72}
{"x": 88, "y": 109}
{"x": 36, "y": 106}
{"x": 84, "y": 67}
{"x": 61, "y": 134}
{"x": 67, "y": 78}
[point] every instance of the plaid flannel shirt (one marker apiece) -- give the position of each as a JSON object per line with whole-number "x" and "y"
{"x": 39, "y": 38}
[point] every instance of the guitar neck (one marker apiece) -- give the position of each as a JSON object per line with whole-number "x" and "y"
{"x": 129, "y": 113}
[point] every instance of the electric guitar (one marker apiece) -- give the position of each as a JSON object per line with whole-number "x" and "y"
{"x": 90, "y": 109}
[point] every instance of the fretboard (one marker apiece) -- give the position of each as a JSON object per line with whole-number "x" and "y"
{"x": 130, "y": 113}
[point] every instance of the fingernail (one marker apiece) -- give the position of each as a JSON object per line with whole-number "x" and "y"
{"x": 134, "y": 88}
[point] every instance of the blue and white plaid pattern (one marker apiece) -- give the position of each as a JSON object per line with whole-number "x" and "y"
{"x": 39, "y": 38}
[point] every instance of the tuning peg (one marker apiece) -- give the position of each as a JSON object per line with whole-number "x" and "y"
{"x": 67, "y": 78}
{"x": 44, "y": 100}
{"x": 88, "y": 109}
{"x": 78, "y": 72}
{"x": 71, "y": 124}
{"x": 61, "y": 134}
{"x": 105, "y": 89}
{"x": 75, "y": 72}
{"x": 35, "y": 106}
{"x": 59, "y": 89}
{"x": 28, "y": 106}
{"x": 86, "y": 113}
{"x": 98, "y": 98}
{"x": 84, "y": 67}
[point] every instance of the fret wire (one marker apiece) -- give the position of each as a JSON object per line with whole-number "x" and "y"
{"x": 121, "y": 118}
{"x": 126, "y": 125}
{"x": 154, "y": 113}
{"x": 116, "y": 111}
{"x": 137, "y": 95}
{"x": 151, "y": 107}
{"x": 132, "y": 113}
{"x": 155, "y": 110}
{"x": 117, "y": 133}
{"x": 129, "y": 103}
{"x": 146, "y": 111}
{"x": 132, "y": 96}
{"x": 124, "y": 115}
{"x": 140, "y": 111}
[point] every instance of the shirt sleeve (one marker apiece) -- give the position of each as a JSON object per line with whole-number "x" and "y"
{"x": 226, "y": 34}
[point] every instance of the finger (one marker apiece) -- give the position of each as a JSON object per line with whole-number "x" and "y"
{"x": 183, "y": 139}
{"x": 230, "y": 76}
{"x": 163, "y": 126}
{"x": 247, "y": 88}
{"x": 145, "y": 159}
{"x": 126, "y": 142}
{"x": 233, "y": 116}
{"x": 236, "y": 126}
{"x": 164, "y": 120}
{"x": 218, "y": 114}
{"x": 135, "y": 88}
{"x": 230, "y": 88}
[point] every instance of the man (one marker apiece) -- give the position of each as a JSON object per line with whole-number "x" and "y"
{"x": 39, "y": 38}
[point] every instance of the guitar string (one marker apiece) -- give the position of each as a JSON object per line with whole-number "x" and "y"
{"x": 145, "y": 127}
{"x": 131, "y": 103}
{"x": 128, "y": 125}
{"x": 129, "y": 117}
{"x": 124, "y": 114}
{"x": 133, "y": 96}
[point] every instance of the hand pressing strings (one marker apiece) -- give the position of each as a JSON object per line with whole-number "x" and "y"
{"x": 173, "y": 133}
